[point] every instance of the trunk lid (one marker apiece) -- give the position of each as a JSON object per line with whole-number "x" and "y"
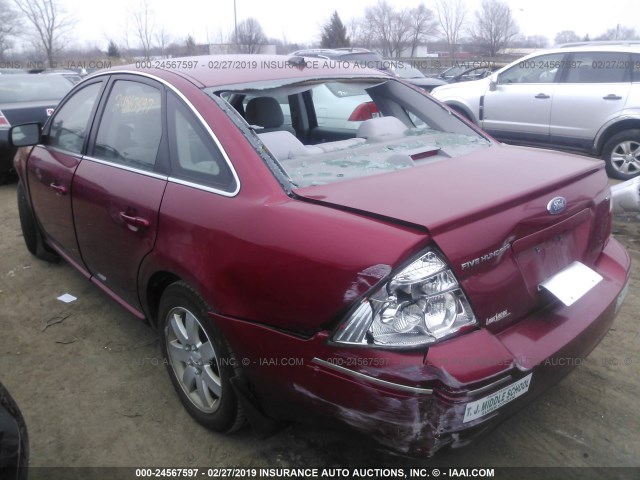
{"x": 487, "y": 212}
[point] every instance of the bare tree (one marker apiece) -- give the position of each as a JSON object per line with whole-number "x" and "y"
{"x": 619, "y": 33}
{"x": 494, "y": 26}
{"x": 360, "y": 33}
{"x": 50, "y": 22}
{"x": 423, "y": 26}
{"x": 566, "y": 36}
{"x": 392, "y": 31}
{"x": 530, "y": 41}
{"x": 9, "y": 27}
{"x": 163, "y": 39}
{"x": 451, "y": 17}
{"x": 249, "y": 37}
{"x": 143, "y": 23}
{"x": 379, "y": 19}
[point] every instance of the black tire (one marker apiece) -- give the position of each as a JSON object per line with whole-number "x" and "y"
{"x": 198, "y": 359}
{"x": 14, "y": 429}
{"x": 33, "y": 238}
{"x": 622, "y": 155}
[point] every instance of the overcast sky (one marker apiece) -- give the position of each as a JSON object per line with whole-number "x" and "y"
{"x": 300, "y": 21}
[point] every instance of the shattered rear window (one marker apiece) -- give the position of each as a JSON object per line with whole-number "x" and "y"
{"x": 328, "y": 131}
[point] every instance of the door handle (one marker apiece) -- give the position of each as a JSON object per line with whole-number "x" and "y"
{"x": 611, "y": 96}
{"x": 133, "y": 221}
{"x": 59, "y": 189}
{"x": 542, "y": 95}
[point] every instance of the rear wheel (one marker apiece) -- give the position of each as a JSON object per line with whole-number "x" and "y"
{"x": 31, "y": 232}
{"x": 198, "y": 359}
{"x": 622, "y": 155}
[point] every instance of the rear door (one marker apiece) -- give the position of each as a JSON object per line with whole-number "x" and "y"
{"x": 52, "y": 165}
{"x": 519, "y": 108}
{"x": 593, "y": 90}
{"x": 118, "y": 188}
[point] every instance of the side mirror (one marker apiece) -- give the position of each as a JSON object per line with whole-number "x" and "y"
{"x": 25, "y": 135}
{"x": 493, "y": 82}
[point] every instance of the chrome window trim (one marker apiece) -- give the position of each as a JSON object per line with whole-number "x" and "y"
{"x": 376, "y": 381}
{"x": 225, "y": 193}
{"x": 198, "y": 186}
{"x": 60, "y": 150}
{"x": 120, "y": 166}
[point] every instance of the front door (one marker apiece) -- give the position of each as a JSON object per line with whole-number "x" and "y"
{"x": 118, "y": 188}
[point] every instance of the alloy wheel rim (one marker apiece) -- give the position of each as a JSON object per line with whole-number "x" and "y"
{"x": 193, "y": 359}
{"x": 625, "y": 157}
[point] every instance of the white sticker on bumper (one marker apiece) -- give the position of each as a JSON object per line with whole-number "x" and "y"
{"x": 492, "y": 402}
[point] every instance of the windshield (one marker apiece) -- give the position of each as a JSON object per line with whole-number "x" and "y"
{"x": 319, "y": 136}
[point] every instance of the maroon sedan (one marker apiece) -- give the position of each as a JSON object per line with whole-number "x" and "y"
{"x": 403, "y": 274}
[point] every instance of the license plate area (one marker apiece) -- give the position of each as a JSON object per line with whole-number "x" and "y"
{"x": 545, "y": 253}
{"x": 571, "y": 283}
{"x": 490, "y": 403}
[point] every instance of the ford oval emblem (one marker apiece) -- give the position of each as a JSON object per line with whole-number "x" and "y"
{"x": 556, "y": 205}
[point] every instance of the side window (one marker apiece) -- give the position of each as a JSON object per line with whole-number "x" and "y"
{"x": 599, "y": 67}
{"x": 194, "y": 156}
{"x": 542, "y": 69}
{"x": 131, "y": 126}
{"x": 70, "y": 124}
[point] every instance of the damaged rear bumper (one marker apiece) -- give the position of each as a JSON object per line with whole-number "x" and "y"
{"x": 416, "y": 402}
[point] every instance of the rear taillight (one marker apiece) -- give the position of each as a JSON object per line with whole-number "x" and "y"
{"x": 364, "y": 111}
{"x": 3, "y": 120}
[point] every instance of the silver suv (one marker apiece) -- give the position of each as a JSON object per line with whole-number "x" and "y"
{"x": 584, "y": 98}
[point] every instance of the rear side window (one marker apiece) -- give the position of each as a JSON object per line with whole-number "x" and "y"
{"x": 599, "y": 67}
{"x": 131, "y": 126}
{"x": 195, "y": 157}
{"x": 70, "y": 124}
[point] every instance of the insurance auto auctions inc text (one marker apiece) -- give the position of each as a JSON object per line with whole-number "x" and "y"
{"x": 374, "y": 472}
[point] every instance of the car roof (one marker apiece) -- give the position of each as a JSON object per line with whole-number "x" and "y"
{"x": 227, "y": 70}
{"x": 30, "y": 76}
{"x": 597, "y": 47}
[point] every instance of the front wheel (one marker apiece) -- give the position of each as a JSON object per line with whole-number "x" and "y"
{"x": 198, "y": 359}
{"x": 622, "y": 155}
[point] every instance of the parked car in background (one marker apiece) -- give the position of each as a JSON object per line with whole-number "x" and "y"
{"x": 474, "y": 73}
{"x": 26, "y": 98}
{"x": 361, "y": 56}
{"x": 71, "y": 75}
{"x": 411, "y": 279}
{"x": 14, "y": 439}
{"x": 579, "y": 98}
{"x": 468, "y": 71}
{"x": 336, "y": 105}
{"x": 412, "y": 75}
{"x": 625, "y": 196}
{"x": 367, "y": 58}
